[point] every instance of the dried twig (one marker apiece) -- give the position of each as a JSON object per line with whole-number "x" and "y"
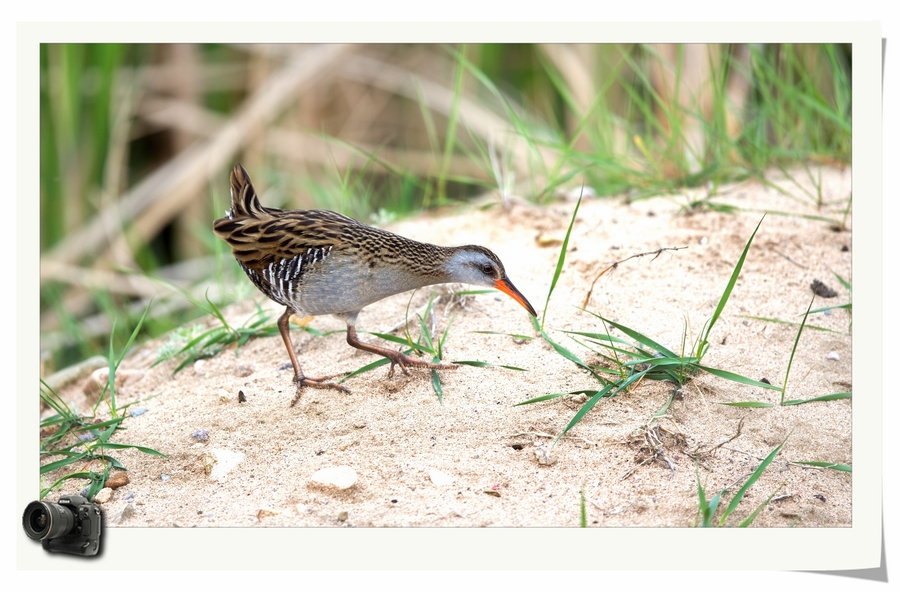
{"x": 615, "y": 264}
{"x": 161, "y": 195}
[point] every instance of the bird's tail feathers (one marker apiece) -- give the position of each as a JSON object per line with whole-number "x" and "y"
{"x": 244, "y": 202}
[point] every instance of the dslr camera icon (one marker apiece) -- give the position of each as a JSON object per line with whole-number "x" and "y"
{"x": 70, "y": 526}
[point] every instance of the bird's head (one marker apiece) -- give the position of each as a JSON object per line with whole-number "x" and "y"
{"x": 480, "y": 267}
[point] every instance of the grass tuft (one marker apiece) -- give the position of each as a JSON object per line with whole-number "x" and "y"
{"x": 85, "y": 439}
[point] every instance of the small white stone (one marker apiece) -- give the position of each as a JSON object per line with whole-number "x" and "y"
{"x": 198, "y": 367}
{"x": 833, "y": 356}
{"x": 439, "y": 477}
{"x": 220, "y": 462}
{"x": 543, "y": 456}
{"x": 103, "y": 496}
{"x": 123, "y": 513}
{"x": 334, "y": 477}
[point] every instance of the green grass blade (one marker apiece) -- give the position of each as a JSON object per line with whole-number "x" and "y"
{"x": 782, "y": 322}
{"x": 63, "y": 479}
{"x": 368, "y": 367}
{"x": 566, "y": 353}
{"x": 749, "y": 519}
{"x": 589, "y": 393}
{"x": 829, "y": 397}
{"x": 843, "y": 282}
{"x": 825, "y": 465}
{"x": 750, "y": 481}
{"x": 639, "y": 337}
{"x": 49, "y": 467}
{"x": 436, "y": 385}
{"x": 583, "y": 521}
{"x": 479, "y": 364}
{"x": 704, "y": 338}
{"x": 610, "y": 390}
{"x": 144, "y": 449}
{"x": 750, "y": 404}
{"x": 738, "y": 378}
{"x": 794, "y": 350}
{"x": 589, "y": 404}
{"x": 402, "y": 341}
{"x": 513, "y": 335}
{"x": 560, "y": 262}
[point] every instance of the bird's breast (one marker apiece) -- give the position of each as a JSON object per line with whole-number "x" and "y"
{"x": 348, "y": 284}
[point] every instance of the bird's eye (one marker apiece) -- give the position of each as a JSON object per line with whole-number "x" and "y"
{"x": 487, "y": 269}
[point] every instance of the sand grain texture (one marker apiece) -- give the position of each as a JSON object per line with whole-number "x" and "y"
{"x": 476, "y": 459}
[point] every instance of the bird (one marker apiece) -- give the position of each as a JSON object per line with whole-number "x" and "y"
{"x": 320, "y": 262}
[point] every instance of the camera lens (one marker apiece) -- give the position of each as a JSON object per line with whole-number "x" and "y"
{"x": 45, "y": 520}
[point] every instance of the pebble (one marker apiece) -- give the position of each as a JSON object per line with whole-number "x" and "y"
{"x": 219, "y": 462}
{"x": 164, "y": 477}
{"x": 198, "y": 367}
{"x": 543, "y": 456}
{"x": 244, "y": 370}
{"x": 103, "y": 496}
{"x": 123, "y": 513}
{"x": 99, "y": 378}
{"x": 342, "y": 477}
{"x": 200, "y": 435}
{"x": 117, "y": 480}
{"x": 77, "y": 372}
{"x": 548, "y": 240}
{"x": 439, "y": 477}
{"x": 833, "y": 356}
{"x": 138, "y": 411}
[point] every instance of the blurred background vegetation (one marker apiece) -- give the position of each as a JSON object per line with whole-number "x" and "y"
{"x": 136, "y": 143}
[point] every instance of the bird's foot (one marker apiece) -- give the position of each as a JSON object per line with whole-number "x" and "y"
{"x": 319, "y": 383}
{"x": 403, "y": 360}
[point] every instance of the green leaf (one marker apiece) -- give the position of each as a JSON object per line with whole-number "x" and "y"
{"x": 610, "y": 390}
{"x": 49, "y": 467}
{"x": 144, "y": 449}
{"x": 436, "y": 385}
{"x": 749, "y": 519}
{"x": 704, "y": 338}
{"x": 750, "y": 481}
{"x": 401, "y": 341}
{"x": 368, "y": 367}
{"x": 560, "y": 262}
{"x": 748, "y": 404}
{"x": 794, "y": 350}
{"x": 556, "y": 395}
{"x": 831, "y": 397}
{"x": 738, "y": 378}
{"x": 826, "y": 465}
{"x": 513, "y": 335}
{"x": 639, "y": 337}
{"x": 569, "y": 355}
{"x": 478, "y": 364}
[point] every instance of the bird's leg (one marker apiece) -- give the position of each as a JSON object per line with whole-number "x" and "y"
{"x": 396, "y": 357}
{"x": 284, "y": 324}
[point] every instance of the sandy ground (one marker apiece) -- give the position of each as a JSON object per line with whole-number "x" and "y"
{"x": 476, "y": 459}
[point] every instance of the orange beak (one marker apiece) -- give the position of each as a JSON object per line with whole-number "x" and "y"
{"x": 506, "y": 286}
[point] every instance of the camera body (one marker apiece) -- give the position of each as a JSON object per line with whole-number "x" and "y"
{"x": 72, "y": 525}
